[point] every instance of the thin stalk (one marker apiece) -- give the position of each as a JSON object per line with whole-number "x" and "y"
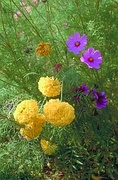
{"x": 31, "y": 23}
{"x": 42, "y": 104}
{"x": 14, "y": 122}
{"x": 62, "y": 91}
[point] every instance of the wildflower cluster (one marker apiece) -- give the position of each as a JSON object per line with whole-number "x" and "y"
{"x": 58, "y": 97}
{"x": 98, "y": 97}
{"x": 91, "y": 57}
{"x": 55, "y": 111}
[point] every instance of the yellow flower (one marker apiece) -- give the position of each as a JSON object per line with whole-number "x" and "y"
{"x": 33, "y": 129}
{"x": 43, "y": 49}
{"x": 26, "y": 111}
{"x": 49, "y": 86}
{"x": 59, "y": 113}
{"x": 48, "y": 147}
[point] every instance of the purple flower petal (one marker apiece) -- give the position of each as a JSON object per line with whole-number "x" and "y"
{"x": 76, "y": 50}
{"x": 84, "y": 40}
{"x": 76, "y": 35}
{"x": 91, "y": 51}
{"x": 76, "y": 43}
{"x": 83, "y": 88}
{"x": 97, "y": 54}
{"x": 100, "y": 99}
{"x": 92, "y": 58}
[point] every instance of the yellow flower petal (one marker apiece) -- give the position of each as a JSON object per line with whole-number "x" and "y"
{"x": 33, "y": 129}
{"x": 26, "y": 111}
{"x": 49, "y": 86}
{"x": 48, "y": 147}
{"x": 59, "y": 113}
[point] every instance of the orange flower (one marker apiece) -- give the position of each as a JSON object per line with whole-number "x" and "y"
{"x": 43, "y": 49}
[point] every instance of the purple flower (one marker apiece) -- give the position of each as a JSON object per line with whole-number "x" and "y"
{"x": 100, "y": 99}
{"x": 78, "y": 90}
{"x": 77, "y": 98}
{"x": 92, "y": 58}
{"x": 76, "y": 43}
{"x": 83, "y": 88}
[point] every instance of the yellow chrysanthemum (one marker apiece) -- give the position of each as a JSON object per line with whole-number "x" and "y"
{"x": 59, "y": 113}
{"x": 26, "y": 111}
{"x": 43, "y": 49}
{"x": 48, "y": 147}
{"x": 33, "y": 129}
{"x": 49, "y": 86}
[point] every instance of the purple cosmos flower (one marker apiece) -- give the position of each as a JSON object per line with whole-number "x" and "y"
{"x": 83, "y": 88}
{"x": 76, "y": 43}
{"x": 100, "y": 99}
{"x": 92, "y": 58}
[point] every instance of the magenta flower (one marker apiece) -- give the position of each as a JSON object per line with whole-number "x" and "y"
{"x": 83, "y": 88}
{"x": 100, "y": 99}
{"x": 92, "y": 58}
{"x": 78, "y": 91}
{"x": 77, "y": 98}
{"x": 76, "y": 43}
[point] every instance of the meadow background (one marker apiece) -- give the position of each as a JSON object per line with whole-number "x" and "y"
{"x": 87, "y": 149}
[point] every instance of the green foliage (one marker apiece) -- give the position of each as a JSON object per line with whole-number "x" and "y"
{"x": 88, "y": 145}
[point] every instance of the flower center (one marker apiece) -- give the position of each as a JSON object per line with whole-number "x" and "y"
{"x": 77, "y": 43}
{"x": 90, "y": 59}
